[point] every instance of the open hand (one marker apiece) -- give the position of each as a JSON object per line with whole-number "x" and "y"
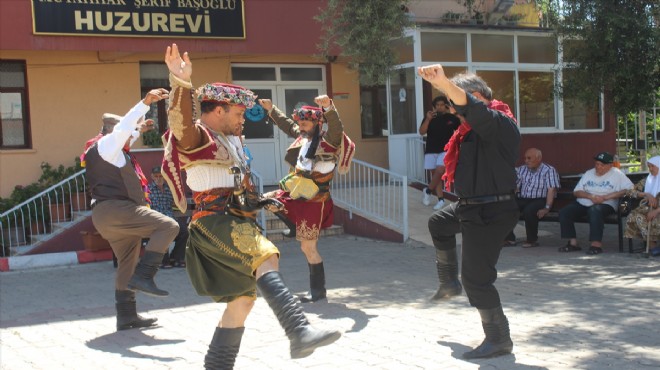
{"x": 179, "y": 66}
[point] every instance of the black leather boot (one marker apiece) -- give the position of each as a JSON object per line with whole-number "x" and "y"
{"x": 316, "y": 284}
{"x": 498, "y": 339}
{"x": 303, "y": 336}
{"x": 127, "y": 317}
{"x": 143, "y": 278}
{"x": 223, "y": 349}
{"x": 446, "y": 263}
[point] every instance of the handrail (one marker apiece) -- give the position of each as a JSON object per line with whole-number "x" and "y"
{"x": 374, "y": 192}
{"x": 22, "y": 225}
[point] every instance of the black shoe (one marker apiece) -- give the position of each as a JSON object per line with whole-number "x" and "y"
{"x": 317, "y": 290}
{"x": 127, "y": 317}
{"x": 446, "y": 263}
{"x": 303, "y": 336}
{"x": 223, "y": 349}
{"x": 498, "y": 340}
{"x": 143, "y": 278}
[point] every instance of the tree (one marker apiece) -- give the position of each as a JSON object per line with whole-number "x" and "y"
{"x": 612, "y": 46}
{"x": 363, "y": 30}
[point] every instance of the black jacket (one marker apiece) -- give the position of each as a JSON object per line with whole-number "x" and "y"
{"x": 487, "y": 157}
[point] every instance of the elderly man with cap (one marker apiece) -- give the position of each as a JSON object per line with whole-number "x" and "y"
{"x": 597, "y": 195}
{"x": 162, "y": 201}
{"x": 227, "y": 257}
{"x": 120, "y": 208}
{"x": 305, "y": 191}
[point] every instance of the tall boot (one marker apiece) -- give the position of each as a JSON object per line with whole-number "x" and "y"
{"x": 303, "y": 336}
{"x": 223, "y": 349}
{"x": 127, "y": 317}
{"x": 498, "y": 339}
{"x": 143, "y": 278}
{"x": 446, "y": 263}
{"x": 316, "y": 284}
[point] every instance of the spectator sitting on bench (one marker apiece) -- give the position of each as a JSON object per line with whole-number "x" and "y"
{"x": 537, "y": 184}
{"x": 637, "y": 223}
{"x": 597, "y": 195}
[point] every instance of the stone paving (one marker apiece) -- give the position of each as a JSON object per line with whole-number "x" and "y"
{"x": 567, "y": 311}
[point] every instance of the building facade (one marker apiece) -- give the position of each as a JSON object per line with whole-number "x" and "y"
{"x": 63, "y": 63}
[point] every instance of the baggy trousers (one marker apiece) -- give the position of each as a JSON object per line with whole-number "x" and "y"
{"x": 483, "y": 227}
{"x": 124, "y": 224}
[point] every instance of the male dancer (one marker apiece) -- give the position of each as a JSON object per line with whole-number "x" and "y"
{"x": 227, "y": 257}
{"x": 305, "y": 191}
{"x": 120, "y": 210}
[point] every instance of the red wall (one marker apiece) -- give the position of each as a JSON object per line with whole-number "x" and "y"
{"x": 269, "y": 26}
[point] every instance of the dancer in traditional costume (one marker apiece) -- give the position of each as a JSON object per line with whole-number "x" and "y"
{"x": 121, "y": 212}
{"x": 320, "y": 146}
{"x": 227, "y": 257}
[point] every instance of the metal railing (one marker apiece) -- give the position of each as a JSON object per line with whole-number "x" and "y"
{"x": 27, "y": 223}
{"x": 374, "y": 192}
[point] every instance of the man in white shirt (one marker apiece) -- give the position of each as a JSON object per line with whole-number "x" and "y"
{"x": 120, "y": 209}
{"x": 597, "y": 194}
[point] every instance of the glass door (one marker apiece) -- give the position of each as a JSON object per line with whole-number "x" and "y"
{"x": 261, "y": 138}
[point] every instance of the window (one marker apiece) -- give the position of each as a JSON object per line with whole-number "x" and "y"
{"x": 580, "y": 116}
{"x": 537, "y": 101}
{"x": 404, "y": 118}
{"x": 14, "y": 112}
{"x": 373, "y": 111}
{"x": 403, "y": 48}
{"x": 537, "y": 49}
{"x": 492, "y": 48}
{"x": 154, "y": 76}
{"x": 502, "y": 85}
{"x": 446, "y": 47}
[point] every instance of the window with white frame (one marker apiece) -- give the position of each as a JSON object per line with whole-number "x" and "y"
{"x": 522, "y": 70}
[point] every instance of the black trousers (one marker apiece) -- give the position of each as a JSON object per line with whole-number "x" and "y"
{"x": 483, "y": 228}
{"x": 529, "y": 207}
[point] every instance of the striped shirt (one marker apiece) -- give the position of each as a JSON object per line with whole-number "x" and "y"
{"x": 535, "y": 184}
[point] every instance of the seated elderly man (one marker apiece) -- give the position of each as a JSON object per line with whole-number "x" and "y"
{"x": 597, "y": 195}
{"x": 537, "y": 184}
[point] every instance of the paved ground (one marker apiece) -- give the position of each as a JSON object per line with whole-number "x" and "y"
{"x": 567, "y": 311}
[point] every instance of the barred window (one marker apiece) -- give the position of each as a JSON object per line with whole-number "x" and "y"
{"x": 14, "y": 110}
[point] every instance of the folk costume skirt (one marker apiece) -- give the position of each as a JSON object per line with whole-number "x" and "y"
{"x": 310, "y": 216}
{"x": 222, "y": 256}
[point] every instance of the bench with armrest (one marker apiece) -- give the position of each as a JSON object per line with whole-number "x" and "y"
{"x": 565, "y": 196}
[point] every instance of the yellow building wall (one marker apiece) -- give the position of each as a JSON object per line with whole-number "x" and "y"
{"x": 69, "y": 91}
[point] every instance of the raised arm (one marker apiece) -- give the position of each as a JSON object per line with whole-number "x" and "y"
{"x": 187, "y": 134}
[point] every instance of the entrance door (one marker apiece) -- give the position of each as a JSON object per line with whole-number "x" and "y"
{"x": 266, "y": 142}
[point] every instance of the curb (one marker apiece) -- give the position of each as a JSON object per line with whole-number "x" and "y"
{"x": 17, "y": 263}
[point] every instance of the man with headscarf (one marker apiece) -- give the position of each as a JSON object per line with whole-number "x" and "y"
{"x": 643, "y": 221}
{"x": 597, "y": 194}
{"x": 121, "y": 212}
{"x": 227, "y": 257}
{"x": 480, "y": 168}
{"x": 305, "y": 191}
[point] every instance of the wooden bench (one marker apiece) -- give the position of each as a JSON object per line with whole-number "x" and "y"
{"x": 565, "y": 196}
